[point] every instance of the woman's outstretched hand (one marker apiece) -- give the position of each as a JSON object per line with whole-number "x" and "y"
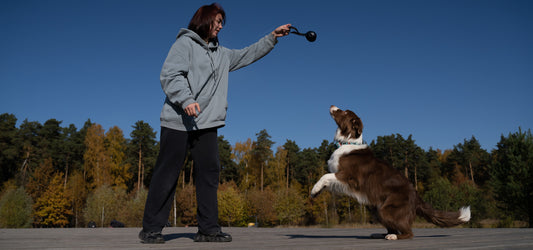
{"x": 282, "y": 30}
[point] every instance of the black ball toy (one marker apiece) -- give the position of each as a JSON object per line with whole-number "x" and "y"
{"x": 310, "y": 35}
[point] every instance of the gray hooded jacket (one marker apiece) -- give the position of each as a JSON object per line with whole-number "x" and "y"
{"x": 198, "y": 72}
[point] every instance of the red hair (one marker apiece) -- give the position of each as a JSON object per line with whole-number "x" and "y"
{"x": 205, "y": 17}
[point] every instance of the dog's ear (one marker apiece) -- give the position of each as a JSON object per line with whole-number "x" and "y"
{"x": 357, "y": 125}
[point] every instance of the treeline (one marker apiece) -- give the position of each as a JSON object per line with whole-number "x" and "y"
{"x": 54, "y": 176}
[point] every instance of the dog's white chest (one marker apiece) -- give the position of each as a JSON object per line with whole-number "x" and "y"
{"x": 333, "y": 162}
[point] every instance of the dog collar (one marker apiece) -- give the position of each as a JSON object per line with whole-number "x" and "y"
{"x": 339, "y": 143}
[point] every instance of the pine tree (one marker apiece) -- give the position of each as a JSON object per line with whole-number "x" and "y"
{"x": 8, "y": 148}
{"x": 142, "y": 153}
{"x": 512, "y": 172}
{"x": 27, "y": 139}
{"x": 228, "y": 171}
{"x": 472, "y": 161}
{"x": 292, "y": 158}
{"x": 262, "y": 152}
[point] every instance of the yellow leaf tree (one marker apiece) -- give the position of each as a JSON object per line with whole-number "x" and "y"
{"x": 118, "y": 168}
{"x": 243, "y": 156}
{"x": 96, "y": 166}
{"x": 53, "y": 208}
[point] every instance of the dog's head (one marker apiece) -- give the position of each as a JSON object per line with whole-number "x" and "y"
{"x": 350, "y": 126}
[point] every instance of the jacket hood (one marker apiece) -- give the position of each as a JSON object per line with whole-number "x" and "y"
{"x": 195, "y": 37}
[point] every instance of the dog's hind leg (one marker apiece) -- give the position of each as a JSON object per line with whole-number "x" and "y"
{"x": 397, "y": 217}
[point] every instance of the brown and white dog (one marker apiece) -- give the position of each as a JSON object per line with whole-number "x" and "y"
{"x": 355, "y": 171}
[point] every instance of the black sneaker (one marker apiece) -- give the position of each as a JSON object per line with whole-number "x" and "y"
{"x": 216, "y": 237}
{"x": 151, "y": 237}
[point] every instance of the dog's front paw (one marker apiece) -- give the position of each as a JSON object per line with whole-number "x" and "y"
{"x": 316, "y": 191}
{"x": 324, "y": 182}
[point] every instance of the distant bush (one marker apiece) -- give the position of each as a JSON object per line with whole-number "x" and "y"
{"x": 15, "y": 209}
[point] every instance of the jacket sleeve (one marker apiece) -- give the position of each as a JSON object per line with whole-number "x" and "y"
{"x": 174, "y": 75}
{"x": 244, "y": 57}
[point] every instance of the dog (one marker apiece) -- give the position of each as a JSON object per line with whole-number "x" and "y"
{"x": 356, "y": 172}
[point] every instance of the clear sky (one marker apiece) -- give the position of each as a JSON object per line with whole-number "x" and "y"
{"x": 443, "y": 71}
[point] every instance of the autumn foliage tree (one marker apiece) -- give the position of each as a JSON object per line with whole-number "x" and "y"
{"x": 96, "y": 164}
{"x": 118, "y": 167}
{"x": 53, "y": 209}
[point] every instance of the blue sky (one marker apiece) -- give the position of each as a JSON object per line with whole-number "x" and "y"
{"x": 443, "y": 71}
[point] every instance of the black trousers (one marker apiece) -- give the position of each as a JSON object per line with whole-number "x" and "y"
{"x": 173, "y": 150}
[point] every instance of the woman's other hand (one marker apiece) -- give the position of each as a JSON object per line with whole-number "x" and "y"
{"x": 190, "y": 110}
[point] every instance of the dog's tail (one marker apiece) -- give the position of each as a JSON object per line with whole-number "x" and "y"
{"x": 442, "y": 218}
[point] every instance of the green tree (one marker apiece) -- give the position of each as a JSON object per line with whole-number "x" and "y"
{"x": 73, "y": 148}
{"x": 231, "y": 205}
{"x": 471, "y": 160}
{"x": 440, "y": 194}
{"x": 49, "y": 144}
{"x": 402, "y": 154}
{"x": 289, "y": 206}
{"x": 15, "y": 208}
{"x": 292, "y": 159}
{"x": 307, "y": 169}
{"x": 512, "y": 172}
{"x": 53, "y": 209}
{"x": 27, "y": 139}
{"x": 262, "y": 152}
{"x": 134, "y": 209}
{"x": 229, "y": 171}
{"x": 443, "y": 195}
{"x": 142, "y": 154}
{"x": 104, "y": 204}
{"x": 8, "y": 148}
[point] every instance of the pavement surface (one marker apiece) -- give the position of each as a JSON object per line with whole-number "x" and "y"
{"x": 268, "y": 238}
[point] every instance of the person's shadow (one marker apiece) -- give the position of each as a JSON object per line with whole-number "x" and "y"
{"x": 169, "y": 237}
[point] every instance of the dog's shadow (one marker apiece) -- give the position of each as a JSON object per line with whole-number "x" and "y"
{"x": 370, "y": 237}
{"x": 169, "y": 237}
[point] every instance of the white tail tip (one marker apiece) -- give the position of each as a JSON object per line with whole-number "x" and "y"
{"x": 464, "y": 214}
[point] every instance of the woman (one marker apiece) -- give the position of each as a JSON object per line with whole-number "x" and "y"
{"x": 195, "y": 81}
